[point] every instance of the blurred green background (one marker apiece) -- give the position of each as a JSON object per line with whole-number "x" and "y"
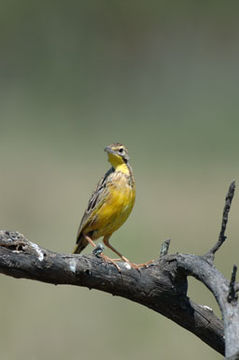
{"x": 160, "y": 77}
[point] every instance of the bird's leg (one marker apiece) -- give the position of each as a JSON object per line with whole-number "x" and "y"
{"x": 134, "y": 266}
{"x": 106, "y": 242}
{"x": 112, "y": 261}
{"x": 90, "y": 241}
{"x": 106, "y": 258}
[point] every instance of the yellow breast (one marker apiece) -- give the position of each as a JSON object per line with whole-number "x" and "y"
{"x": 116, "y": 207}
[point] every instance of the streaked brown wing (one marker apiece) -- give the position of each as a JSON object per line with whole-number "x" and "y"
{"x": 95, "y": 201}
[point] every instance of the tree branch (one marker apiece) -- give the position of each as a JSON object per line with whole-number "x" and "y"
{"x": 222, "y": 237}
{"x": 162, "y": 286}
{"x": 159, "y": 286}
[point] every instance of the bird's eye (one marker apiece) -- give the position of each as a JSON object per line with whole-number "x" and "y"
{"x": 121, "y": 150}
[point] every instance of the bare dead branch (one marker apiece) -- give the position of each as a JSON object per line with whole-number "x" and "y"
{"x": 162, "y": 286}
{"x": 222, "y": 237}
{"x": 201, "y": 269}
{"x": 159, "y": 286}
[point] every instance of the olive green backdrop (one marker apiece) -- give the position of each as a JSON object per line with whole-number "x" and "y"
{"x": 162, "y": 78}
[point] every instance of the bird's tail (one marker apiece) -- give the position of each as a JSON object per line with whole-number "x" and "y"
{"x": 81, "y": 243}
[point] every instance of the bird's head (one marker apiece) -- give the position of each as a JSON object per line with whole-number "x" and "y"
{"x": 117, "y": 154}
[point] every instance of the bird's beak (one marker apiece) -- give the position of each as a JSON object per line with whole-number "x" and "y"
{"x": 109, "y": 150}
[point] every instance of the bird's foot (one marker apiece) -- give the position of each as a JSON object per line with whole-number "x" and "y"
{"x": 137, "y": 266}
{"x": 112, "y": 261}
{"x": 146, "y": 264}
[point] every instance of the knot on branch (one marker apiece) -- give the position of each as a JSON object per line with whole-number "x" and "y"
{"x": 17, "y": 242}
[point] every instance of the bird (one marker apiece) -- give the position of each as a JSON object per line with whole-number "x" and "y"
{"x": 109, "y": 205}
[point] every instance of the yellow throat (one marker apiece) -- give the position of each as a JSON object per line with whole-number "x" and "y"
{"x": 118, "y": 163}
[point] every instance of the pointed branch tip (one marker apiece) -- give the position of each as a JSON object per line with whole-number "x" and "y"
{"x": 164, "y": 248}
{"x": 222, "y": 237}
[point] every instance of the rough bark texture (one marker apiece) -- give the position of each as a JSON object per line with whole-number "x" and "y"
{"x": 162, "y": 286}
